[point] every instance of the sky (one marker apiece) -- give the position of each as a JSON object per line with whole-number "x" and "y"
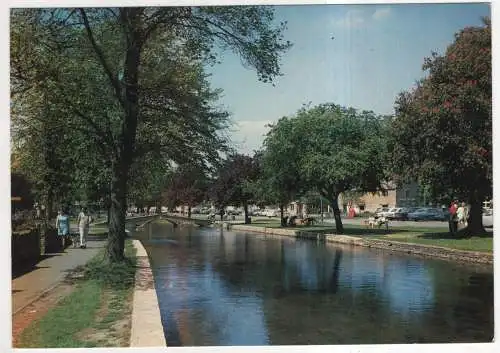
{"x": 377, "y": 51}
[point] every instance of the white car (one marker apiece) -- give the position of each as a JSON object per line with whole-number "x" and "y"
{"x": 488, "y": 218}
{"x": 382, "y": 212}
{"x": 394, "y": 213}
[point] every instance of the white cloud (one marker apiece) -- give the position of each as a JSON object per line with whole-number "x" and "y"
{"x": 248, "y": 135}
{"x": 381, "y": 13}
{"x": 352, "y": 19}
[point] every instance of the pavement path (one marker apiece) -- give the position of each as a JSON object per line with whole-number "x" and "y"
{"x": 48, "y": 273}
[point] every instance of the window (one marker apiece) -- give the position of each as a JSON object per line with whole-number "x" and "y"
{"x": 407, "y": 194}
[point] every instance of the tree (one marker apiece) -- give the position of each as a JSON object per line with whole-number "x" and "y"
{"x": 442, "y": 133}
{"x": 187, "y": 186}
{"x": 335, "y": 149}
{"x": 279, "y": 181}
{"x": 233, "y": 182}
{"x": 114, "y": 42}
{"x": 21, "y": 187}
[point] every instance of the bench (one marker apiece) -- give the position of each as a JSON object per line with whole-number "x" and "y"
{"x": 377, "y": 221}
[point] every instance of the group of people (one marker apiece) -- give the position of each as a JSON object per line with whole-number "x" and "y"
{"x": 459, "y": 215}
{"x": 64, "y": 231}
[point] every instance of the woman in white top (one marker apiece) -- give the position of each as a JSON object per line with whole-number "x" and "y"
{"x": 461, "y": 214}
{"x": 84, "y": 220}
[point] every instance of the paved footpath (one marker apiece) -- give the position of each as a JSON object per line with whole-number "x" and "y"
{"x": 49, "y": 272}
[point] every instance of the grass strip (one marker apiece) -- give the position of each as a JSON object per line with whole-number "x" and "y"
{"x": 416, "y": 235}
{"x": 479, "y": 244}
{"x": 101, "y": 298}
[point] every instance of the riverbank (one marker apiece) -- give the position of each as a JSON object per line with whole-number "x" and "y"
{"x": 147, "y": 328}
{"x": 422, "y": 242}
{"x": 92, "y": 307}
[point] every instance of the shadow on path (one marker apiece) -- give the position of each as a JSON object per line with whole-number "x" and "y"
{"x": 20, "y": 269}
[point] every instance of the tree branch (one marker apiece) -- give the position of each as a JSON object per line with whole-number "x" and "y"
{"x": 113, "y": 80}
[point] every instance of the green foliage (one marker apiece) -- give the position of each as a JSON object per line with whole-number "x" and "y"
{"x": 442, "y": 135}
{"x": 232, "y": 184}
{"x": 328, "y": 149}
{"x": 279, "y": 181}
{"x": 117, "y": 276}
{"x": 188, "y": 185}
{"x": 21, "y": 187}
{"x": 128, "y": 86}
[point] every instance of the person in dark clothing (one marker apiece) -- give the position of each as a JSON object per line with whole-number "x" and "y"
{"x": 453, "y": 221}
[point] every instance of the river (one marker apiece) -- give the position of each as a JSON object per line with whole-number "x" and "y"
{"x": 218, "y": 288}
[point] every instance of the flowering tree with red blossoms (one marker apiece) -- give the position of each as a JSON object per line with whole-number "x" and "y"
{"x": 442, "y": 132}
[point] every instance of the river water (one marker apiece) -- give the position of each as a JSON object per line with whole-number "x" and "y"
{"x": 222, "y": 288}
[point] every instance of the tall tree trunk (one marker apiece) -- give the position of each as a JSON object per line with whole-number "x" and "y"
{"x": 124, "y": 156}
{"x": 221, "y": 212}
{"x": 189, "y": 211}
{"x": 107, "y": 204}
{"x": 245, "y": 210}
{"x": 336, "y": 214}
{"x": 117, "y": 211}
{"x": 282, "y": 215}
{"x": 475, "y": 223}
{"x": 49, "y": 204}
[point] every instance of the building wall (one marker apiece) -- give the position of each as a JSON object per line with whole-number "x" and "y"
{"x": 407, "y": 195}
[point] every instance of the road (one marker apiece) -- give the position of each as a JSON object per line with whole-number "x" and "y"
{"x": 487, "y": 221}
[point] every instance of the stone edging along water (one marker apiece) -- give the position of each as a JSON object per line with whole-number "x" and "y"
{"x": 403, "y": 247}
{"x": 147, "y": 329}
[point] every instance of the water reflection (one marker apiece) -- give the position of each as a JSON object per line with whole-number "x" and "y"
{"x": 226, "y": 288}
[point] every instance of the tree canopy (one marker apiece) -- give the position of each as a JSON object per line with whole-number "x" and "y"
{"x": 131, "y": 80}
{"x": 329, "y": 149}
{"x": 232, "y": 181}
{"x": 188, "y": 185}
{"x": 442, "y": 133}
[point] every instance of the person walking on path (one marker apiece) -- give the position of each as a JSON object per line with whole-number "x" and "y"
{"x": 453, "y": 221}
{"x": 83, "y": 221}
{"x": 62, "y": 226}
{"x": 462, "y": 214}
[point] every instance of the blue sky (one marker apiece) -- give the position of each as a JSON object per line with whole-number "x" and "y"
{"x": 377, "y": 51}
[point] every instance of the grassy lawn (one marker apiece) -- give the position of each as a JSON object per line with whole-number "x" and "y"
{"x": 96, "y": 314}
{"x": 478, "y": 243}
{"x": 418, "y": 235}
{"x": 99, "y": 230}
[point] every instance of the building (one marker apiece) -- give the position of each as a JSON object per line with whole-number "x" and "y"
{"x": 405, "y": 196}
{"x": 296, "y": 208}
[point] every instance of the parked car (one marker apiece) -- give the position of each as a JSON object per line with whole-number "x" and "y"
{"x": 427, "y": 214}
{"x": 488, "y": 218}
{"x": 381, "y": 212}
{"x": 397, "y": 213}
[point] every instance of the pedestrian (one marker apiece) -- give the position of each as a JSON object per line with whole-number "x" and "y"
{"x": 62, "y": 226}
{"x": 453, "y": 222}
{"x": 462, "y": 214}
{"x": 83, "y": 221}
